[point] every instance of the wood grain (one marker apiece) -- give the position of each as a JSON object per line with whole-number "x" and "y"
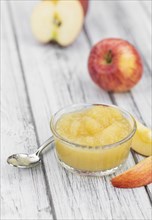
{"x": 138, "y": 99}
{"x": 48, "y": 77}
{"x": 23, "y": 194}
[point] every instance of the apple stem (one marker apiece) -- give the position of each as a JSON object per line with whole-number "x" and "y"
{"x": 109, "y": 56}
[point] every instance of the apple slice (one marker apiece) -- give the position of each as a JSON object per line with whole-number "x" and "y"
{"x": 139, "y": 175}
{"x": 142, "y": 140}
{"x": 59, "y": 21}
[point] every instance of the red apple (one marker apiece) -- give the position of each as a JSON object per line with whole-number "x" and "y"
{"x": 115, "y": 65}
{"x": 85, "y": 5}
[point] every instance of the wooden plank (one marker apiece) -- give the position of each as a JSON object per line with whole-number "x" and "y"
{"x": 23, "y": 192}
{"x": 140, "y": 94}
{"x": 56, "y": 77}
{"x": 147, "y": 7}
{"x": 126, "y": 28}
{"x": 125, "y": 24}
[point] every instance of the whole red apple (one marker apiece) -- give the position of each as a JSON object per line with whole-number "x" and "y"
{"x": 85, "y": 5}
{"x": 115, "y": 65}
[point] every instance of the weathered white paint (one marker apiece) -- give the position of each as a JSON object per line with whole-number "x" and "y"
{"x": 138, "y": 101}
{"x": 23, "y": 192}
{"x": 53, "y": 77}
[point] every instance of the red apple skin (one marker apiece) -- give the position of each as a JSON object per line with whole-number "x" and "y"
{"x": 137, "y": 176}
{"x": 85, "y": 5}
{"x": 115, "y": 76}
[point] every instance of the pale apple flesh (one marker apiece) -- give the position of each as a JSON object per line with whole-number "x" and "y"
{"x": 84, "y": 3}
{"x": 115, "y": 65}
{"x": 142, "y": 140}
{"x": 59, "y": 21}
{"x": 137, "y": 176}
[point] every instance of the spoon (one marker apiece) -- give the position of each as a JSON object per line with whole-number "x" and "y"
{"x": 28, "y": 160}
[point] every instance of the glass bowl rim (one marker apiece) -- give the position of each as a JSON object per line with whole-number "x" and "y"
{"x": 125, "y": 139}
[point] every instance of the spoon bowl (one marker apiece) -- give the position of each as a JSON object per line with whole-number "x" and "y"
{"x": 23, "y": 160}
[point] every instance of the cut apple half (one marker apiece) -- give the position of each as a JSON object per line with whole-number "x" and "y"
{"x": 59, "y": 21}
{"x": 142, "y": 140}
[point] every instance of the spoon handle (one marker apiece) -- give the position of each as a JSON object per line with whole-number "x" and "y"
{"x": 44, "y": 145}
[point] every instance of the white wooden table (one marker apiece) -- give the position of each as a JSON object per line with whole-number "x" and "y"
{"x": 39, "y": 79}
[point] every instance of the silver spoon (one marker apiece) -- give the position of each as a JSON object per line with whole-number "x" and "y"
{"x": 28, "y": 160}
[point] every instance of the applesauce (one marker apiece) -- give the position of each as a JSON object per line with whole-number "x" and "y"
{"x": 92, "y": 139}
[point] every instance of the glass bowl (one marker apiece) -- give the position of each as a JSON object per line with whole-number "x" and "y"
{"x": 87, "y": 160}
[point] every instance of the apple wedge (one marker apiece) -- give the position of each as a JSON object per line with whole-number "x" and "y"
{"x": 142, "y": 140}
{"x": 139, "y": 175}
{"x": 60, "y": 21}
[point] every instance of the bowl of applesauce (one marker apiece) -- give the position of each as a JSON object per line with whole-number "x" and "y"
{"x": 92, "y": 139}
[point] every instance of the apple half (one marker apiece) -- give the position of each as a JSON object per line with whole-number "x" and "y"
{"x": 139, "y": 175}
{"x": 142, "y": 140}
{"x": 59, "y": 20}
